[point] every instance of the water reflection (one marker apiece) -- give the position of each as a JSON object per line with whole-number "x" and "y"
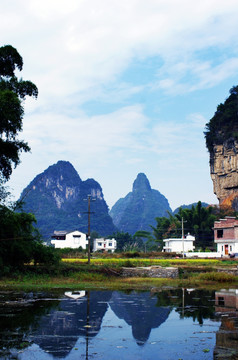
{"x": 81, "y": 317}
{"x": 137, "y": 309}
{"x": 226, "y": 306}
{"x": 137, "y": 325}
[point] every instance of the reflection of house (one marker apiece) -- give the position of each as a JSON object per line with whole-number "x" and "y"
{"x": 226, "y": 235}
{"x": 102, "y": 244}
{"x": 179, "y": 245}
{"x": 69, "y": 239}
{"x": 75, "y": 294}
{"x": 226, "y": 300}
{"x": 226, "y": 303}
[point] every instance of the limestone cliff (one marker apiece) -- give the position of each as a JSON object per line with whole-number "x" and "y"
{"x": 224, "y": 172}
{"x": 222, "y": 142}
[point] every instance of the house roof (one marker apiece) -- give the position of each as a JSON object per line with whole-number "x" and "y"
{"x": 64, "y": 232}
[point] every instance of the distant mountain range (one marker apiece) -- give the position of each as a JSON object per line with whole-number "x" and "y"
{"x": 58, "y": 198}
{"x": 138, "y": 210}
{"x": 204, "y": 204}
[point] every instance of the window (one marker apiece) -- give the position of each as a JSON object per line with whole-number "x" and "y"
{"x": 110, "y": 244}
{"x": 221, "y": 301}
{"x": 220, "y": 233}
{"x": 76, "y": 236}
{"x": 99, "y": 244}
{"x": 222, "y": 248}
{"x": 230, "y": 248}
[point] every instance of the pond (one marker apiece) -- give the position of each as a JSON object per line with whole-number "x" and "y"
{"x": 173, "y": 324}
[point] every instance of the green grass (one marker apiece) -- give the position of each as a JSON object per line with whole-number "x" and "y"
{"x": 118, "y": 262}
{"x": 105, "y": 273}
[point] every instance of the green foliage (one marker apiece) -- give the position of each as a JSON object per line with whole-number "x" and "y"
{"x": 122, "y": 239}
{"x": 223, "y": 126}
{"x": 20, "y": 241}
{"x": 198, "y": 221}
{"x": 12, "y": 94}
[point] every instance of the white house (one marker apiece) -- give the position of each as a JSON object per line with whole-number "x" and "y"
{"x": 104, "y": 245}
{"x": 69, "y": 239}
{"x": 179, "y": 245}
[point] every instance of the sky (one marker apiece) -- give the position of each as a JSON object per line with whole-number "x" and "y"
{"x": 124, "y": 87}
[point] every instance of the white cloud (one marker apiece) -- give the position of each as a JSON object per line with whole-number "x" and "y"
{"x": 77, "y": 51}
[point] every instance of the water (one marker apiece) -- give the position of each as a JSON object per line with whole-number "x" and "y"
{"x": 174, "y": 324}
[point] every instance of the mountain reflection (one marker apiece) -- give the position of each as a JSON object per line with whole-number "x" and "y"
{"x": 140, "y": 312}
{"x": 55, "y": 324}
{"x": 82, "y": 317}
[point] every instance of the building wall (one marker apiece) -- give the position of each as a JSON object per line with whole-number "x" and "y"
{"x": 232, "y": 247}
{"x": 104, "y": 245}
{"x": 71, "y": 241}
{"x": 226, "y": 235}
{"x": 176, "y": 245}
{"x": 229, "y": 225}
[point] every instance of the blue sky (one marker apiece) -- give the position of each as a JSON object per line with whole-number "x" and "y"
{"x": 124, "y": 87}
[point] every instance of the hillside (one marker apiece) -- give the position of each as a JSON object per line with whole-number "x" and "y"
{"x": 138, "y": 210}
{"x": 57, "y": 198}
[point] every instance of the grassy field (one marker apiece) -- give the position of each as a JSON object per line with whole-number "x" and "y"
{"x": 105, "y": 274}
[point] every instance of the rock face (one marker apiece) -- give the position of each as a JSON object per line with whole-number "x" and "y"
{"x": 57, "y": 198}
{"x": 221, "y": 136}
{"x": 224, "y": 172}
{"x": 138, "y": 210}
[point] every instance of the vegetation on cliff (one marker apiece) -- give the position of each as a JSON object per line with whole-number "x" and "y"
{"x": 223, "y": 126}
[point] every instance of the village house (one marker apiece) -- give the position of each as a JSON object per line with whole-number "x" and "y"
{"x": 226, "y": 235}
{"x": 69, "y": 239}
{"x": 102, "y": 244}
{"x": 179, "y": 245}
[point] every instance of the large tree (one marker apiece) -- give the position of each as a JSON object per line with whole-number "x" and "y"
{"x": 13, "y": 92}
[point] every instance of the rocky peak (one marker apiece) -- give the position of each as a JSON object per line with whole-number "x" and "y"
{"x": 139, "y": 208}
{"x": 141, "y": 183}
{"x": 57, "y": 198}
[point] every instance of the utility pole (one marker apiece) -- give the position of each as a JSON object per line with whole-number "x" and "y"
{"x": 89, "y": 213}
{"x": 183, "y": 236}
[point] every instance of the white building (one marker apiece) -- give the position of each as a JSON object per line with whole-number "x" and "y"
{"x": 69, "y": 239}
{"x": 104, "y": 245}
{"x": 179, "y": 245}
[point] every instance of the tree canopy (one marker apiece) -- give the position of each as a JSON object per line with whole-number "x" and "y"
{"x": 223, "y": 126}
{"x": 12, "y": 93}
{"x": 198, "y": 221}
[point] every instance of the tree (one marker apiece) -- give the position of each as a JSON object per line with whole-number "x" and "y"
{"x": 146, "y": 240}
{"x": 20, "y": 241}
{"x": 12, "y": 93}
{"x": 223, "y": 126}
{"x": 123, "y": 239}
{"x": 198, "y": 221}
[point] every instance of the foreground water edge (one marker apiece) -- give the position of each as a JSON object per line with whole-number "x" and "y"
{"x": 80, "y": 324}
